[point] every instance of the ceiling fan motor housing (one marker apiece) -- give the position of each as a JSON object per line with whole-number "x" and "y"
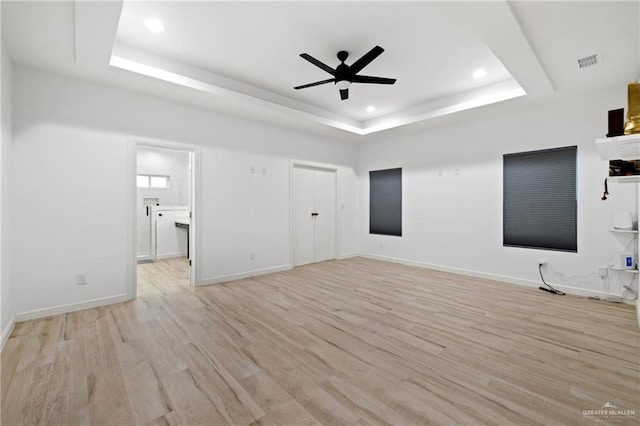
{"x": 343, "y": 72}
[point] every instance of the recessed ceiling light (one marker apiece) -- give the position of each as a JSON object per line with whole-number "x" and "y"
{"x": 479, "y": 73}
{"x": 155, "y": 25}
{"x": 371, "y": 108}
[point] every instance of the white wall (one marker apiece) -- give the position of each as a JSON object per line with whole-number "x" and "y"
{"x": 7, "y": 306}
{"x": 70, "y": 186}
{"x": 69, "y": 205}
{"x": 165, "y": 162}
{"x": 70, "y": 157}
{"x": 454, "y": 221}
{"x": 258, "y": 202}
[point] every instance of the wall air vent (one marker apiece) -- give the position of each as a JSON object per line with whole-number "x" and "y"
{"x": 591, "y": 60}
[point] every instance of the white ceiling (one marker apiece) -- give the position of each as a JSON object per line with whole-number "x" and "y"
{"x": 243, "y": 56}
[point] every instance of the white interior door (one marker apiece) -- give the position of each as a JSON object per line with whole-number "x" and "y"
{"x": 313, "y": 193}
{"x": 303, "y": 243}
{"x": 323, "y": 220}
{"x": 144, "y": 232}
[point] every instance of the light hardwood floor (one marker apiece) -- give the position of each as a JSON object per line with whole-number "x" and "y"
{"x": 350, "y": 342}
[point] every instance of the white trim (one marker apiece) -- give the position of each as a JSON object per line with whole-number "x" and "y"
{"x": 493, "y": 277}
{"x": 7, "y": 332}
{"x": 195, "y": 152}
{"x": 242, "y": 275}
{"x": 170, "y": 255}
{"x": 131, "y": 242}
{"x": 195, "y": 242}
{"x": 71, "y": 307}
{"x": 349, "y": 256}
{"x": 163, "y": 144}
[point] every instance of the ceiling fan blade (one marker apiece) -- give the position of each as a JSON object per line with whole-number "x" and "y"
{"x": 369, "y": 79}
{"x": 317, "y": 63}
{"x": 344, "y": 94}
{"x": 317, "y": 83}
{"x": 366, "y": 59}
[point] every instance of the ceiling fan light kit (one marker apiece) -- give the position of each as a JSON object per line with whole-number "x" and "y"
{"x": 344, "y": 75}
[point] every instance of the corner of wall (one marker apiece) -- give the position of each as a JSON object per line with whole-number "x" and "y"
{"x": 7, "y": 305}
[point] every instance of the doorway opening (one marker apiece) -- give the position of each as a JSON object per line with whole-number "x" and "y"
{"x": 313, "y": 212}
{"x": 164, "y": 215}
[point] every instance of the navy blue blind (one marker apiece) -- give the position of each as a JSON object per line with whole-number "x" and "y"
{"x": 539, "y": 207}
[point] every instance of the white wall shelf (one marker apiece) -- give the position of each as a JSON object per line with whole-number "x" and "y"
{"x": 633, "y": 233}
{"x": 625, "y": 147}
{"x": 631, "y": 271}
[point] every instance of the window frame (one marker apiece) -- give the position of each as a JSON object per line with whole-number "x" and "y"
{"x": 149, "y": 178}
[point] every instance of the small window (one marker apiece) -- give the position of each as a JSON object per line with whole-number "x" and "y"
{"x": 159, "y": 181}
{"x": 152, "y": 181}
{"x": 142, "y": 181}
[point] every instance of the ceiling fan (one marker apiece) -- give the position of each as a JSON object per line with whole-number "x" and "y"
{"x": 345, "y": 74}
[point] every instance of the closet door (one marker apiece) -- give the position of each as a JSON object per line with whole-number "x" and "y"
{"x": 324, "y": 199}
{"x": 313, "y": 215}
{"x": 303, "y": 183}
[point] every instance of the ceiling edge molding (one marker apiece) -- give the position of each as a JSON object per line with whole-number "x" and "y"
{"x": 494, "y": 93}
{"x": 131, "y": 59}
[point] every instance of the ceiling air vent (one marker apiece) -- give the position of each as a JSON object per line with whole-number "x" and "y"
{"x": 591, "y": 60}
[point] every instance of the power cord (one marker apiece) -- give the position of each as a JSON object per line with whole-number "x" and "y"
{"x": 549, "y": 288}
{"x": 629, "y": 293}
{"x": 628, "y": 289}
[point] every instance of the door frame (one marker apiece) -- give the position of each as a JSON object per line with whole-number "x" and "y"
{"x": 337, "y": 219}
{"x": 194, "y": 201}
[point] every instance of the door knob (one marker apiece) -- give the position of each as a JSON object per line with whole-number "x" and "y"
{"x": 314, "y": 214}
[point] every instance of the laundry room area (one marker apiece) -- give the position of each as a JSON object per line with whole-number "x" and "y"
{"x": 162, "y": 205}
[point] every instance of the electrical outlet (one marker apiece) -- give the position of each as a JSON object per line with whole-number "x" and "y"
{"x": 603, "y": 271}
{"x": 542, "y": 262}
{"x": 252, "y": 256}
{"x": 381, "y": 245}
{"x": 81, "y": 279}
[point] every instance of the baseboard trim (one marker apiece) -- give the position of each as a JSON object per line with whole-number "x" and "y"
{"x": 170, "y": 255}
{"x": 71, "y": 307}
{"x": 7, "y": 332}
{"x": 348, "y": 256}
{"x": 242, "y": 275}
{"x": 493, "y": 277}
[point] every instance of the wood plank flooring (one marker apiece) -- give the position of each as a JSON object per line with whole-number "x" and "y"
{"x": 351, "y": 342}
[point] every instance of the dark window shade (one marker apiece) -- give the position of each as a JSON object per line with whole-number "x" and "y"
{"x": 539, "y": 207}
{"x": 385, "y": 202}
